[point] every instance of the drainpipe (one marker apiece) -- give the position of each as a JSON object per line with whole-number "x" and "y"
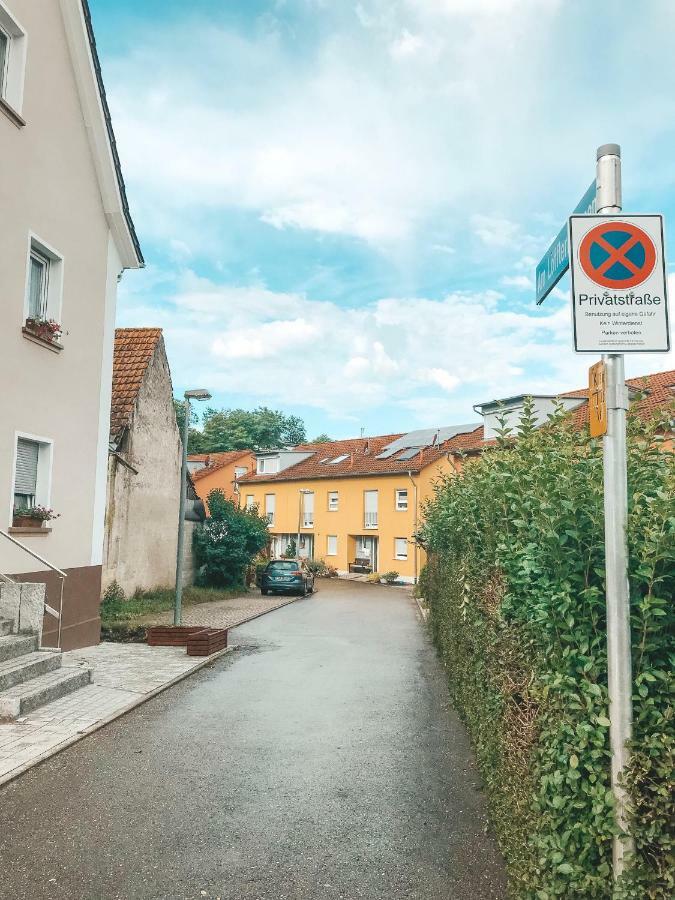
{"x": 416, "y": 548}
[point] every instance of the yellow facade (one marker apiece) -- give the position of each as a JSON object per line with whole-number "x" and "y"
{"x": 339, "y": 535}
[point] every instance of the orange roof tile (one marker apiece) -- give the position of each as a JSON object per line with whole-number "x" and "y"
{"x": 134, "y": 349}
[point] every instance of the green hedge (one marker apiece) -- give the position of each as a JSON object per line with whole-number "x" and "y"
{"x": 515, "y": 582}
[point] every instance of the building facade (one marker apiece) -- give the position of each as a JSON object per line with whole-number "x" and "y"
{"x": 65, "y": 238}
{"x": 220, "y": 471}
{"x": 355, "y": 504}
{"x": 141, "y": 529}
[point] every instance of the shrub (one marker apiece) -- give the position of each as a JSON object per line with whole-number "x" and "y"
{"x": 389, "y": 577}
{"x": 228, "y": 541}
{"x": 316, "y": 566}
{"x": 515, "y": 583}
{"x": 373, "y": 578}
{"x": 114, "y": 593}
{"x": 291, "y": 550}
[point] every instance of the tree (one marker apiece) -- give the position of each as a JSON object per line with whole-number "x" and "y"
{"x": 228, "y": 541}
{"x": 241, "y": 429}
{"x": 322, "y": 438}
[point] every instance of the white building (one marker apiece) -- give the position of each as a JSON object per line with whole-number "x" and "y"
{"x": 66, "y": 236}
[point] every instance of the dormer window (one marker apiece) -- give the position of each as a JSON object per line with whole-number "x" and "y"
{"x": 267, "y": 465}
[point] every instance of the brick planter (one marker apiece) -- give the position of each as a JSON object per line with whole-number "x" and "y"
{"x": 207, "y": 641}
{"x": 171, "y": 635}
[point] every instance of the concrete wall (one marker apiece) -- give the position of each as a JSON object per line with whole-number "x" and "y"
{"x": 49, "y": 188}
{"x": 141, "y": 532}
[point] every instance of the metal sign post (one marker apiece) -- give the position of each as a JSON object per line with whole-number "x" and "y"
{"x": 608, "y": 181}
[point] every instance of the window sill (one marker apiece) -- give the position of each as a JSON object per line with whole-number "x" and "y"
{"x": 42, "y": 530}
{"x": 11, "y": 113}
{"x": 54, "y": 346}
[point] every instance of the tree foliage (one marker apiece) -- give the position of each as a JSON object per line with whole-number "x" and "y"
{"x": 228, "y": 542}
{"x": 241, "y": 429}
{"x": 515, "y": 583}
{"x": 322, "y": 438}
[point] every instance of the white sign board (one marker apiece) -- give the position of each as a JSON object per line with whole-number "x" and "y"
{"x": 619, "y": 302}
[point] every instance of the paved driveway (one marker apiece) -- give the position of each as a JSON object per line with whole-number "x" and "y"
{"x": 321, "y": 761}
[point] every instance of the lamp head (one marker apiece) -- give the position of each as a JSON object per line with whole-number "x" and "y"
{"x": 197, "y": 394}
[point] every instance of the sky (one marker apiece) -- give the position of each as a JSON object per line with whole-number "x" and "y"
{"x": 341, "y": 204}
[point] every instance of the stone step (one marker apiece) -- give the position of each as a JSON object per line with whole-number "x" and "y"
{"x": 14, "y": 645}
{"x": 6, "y": 626}
{"x": 24, "y": 698}
{"x": 24, "y": 668}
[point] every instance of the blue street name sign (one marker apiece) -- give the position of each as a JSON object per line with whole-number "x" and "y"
{"x": 556, "y": 261}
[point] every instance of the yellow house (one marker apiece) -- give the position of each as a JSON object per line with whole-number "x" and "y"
{"x": 354, "y": 503}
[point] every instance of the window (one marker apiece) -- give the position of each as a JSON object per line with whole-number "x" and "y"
{"x": 44, "y": 282}
{"x": 267, "y": 465}
{"x": 308, "y": 509}
{"x": 32, "y": 473}
{"x": 12, "y": 61}
{"x": 332, "y": 501}
{"x": 338, "y": 459}
{"x": 370, "y": 509}
{"x": 400, "y": 548}
{"x": 4, "y": 59}
{"x": 401, "y": 501}
{"x": 38, "y": 281}
{"x": 239, "y": 471}
{"x": 250, "y": 501}
{"x": 270, "y": 507}
{"x": 331, "y": 548}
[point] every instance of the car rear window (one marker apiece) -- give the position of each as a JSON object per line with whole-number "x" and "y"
{"x": 284, "y": 566}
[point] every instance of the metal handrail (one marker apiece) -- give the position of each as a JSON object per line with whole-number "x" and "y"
{"x": 62, "y": 575}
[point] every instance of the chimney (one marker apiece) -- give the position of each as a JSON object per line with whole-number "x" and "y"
{"x": 351, "y": 460}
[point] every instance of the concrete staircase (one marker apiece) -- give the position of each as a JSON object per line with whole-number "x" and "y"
{"x": 29, "y": 677}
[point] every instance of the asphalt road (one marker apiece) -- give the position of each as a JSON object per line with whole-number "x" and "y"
{"x": 321, "y": 761}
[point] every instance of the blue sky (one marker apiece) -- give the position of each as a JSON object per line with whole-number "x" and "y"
{"x": 341, "y": 203}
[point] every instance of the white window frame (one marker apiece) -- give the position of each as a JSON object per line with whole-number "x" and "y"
{"x": 43, "y": 487}
{"x": 11, "y": 85}
{"x": 398, "y": 505}
{"x": 267, "y": 465}
{"x": 334, "y": 539}
{"x": 397, "y": 553}
{"x": 333, "y": 501}
{"x": 308, "y": 509}
{"x": 250, "y": 501}
{"x": 54, "y": 277}
{"x": 370, "y": 516}
{"x": 240, "y": 471}
{"x": 270, "y": 508}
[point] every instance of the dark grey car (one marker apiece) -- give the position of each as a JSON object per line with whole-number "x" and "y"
{"x": 286, "y": 576}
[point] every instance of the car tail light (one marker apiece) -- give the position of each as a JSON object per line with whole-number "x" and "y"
{"x": 298, "y": 572}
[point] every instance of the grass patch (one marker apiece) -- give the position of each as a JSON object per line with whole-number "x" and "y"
{"x": 115, "y": 610}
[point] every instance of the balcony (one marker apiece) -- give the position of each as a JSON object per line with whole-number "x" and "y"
{"x": 370, "y": 520}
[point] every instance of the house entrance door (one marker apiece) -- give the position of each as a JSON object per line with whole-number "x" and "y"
{"x": 366, "y": 548}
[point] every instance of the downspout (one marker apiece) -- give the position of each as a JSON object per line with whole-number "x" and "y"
{"x": 416, "y": 548}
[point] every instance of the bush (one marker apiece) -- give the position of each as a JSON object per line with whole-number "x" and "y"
{"x": 290, "y": 552}
{"x": 228, "y": 541}
{"x": 389, "y": 577}
{"x": 515, "y": 583}
{"x": 316, "y": 566}
{"x": 373, "y": 578}
{"x": 114, "y": 593}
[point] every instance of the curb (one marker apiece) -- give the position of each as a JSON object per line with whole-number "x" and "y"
{"x": 143, "y": 698}
{"x": 424, "y": 611}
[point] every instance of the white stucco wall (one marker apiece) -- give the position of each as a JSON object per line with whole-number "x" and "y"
{"x": 142, "y": 514}
{"x": 49, "y": 188}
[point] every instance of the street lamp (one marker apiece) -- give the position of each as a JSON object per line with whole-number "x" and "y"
{"x": 198, "y": 394}
{"x": 297, "y": 543}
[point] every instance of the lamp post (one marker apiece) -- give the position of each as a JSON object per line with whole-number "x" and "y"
{"x": 198, "y": 394}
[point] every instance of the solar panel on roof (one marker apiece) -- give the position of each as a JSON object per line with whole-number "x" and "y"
{"x": 338, "y": 459}
{"x": 386, "y": 453}
{"x": 409, "y": 453}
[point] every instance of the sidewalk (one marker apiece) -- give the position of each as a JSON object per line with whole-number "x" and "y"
{"x": 125, "y": 675}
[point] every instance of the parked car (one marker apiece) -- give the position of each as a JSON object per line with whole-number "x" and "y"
{"x": 288, "y": 576}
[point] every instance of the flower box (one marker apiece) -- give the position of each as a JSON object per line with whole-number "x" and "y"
{"x": 45, "y": 329}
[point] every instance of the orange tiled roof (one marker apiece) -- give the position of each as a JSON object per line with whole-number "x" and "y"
{"x": 361, "y": 459}
{"x": 134, "y": 349}
{"x": 215, "y": 461}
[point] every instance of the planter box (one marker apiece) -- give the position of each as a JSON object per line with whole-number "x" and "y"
{"x": 171, "y": 635}
{"x": 26, "y": 522}
{"x": 206, "y": 642}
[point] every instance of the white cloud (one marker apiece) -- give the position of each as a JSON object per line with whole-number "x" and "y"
{"x": 495, "y": 231}
{"x": 518, "y": 281}
{"x": 406, "y": 45}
